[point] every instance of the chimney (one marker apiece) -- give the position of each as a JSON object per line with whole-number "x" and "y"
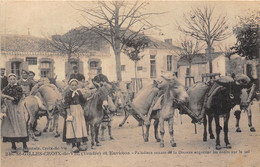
{"x": 169, "y": 41}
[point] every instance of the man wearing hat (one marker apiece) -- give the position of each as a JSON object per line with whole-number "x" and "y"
{"x": 3, "y": 78}
{"x": 77, "y": 75}
{"x": 26, "y": 83}
{"x": 99, "y": 78}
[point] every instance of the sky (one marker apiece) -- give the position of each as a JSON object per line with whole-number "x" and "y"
{"x": 45, "y": 18}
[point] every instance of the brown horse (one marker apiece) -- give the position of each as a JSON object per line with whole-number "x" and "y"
{"x": 94, "y": 112}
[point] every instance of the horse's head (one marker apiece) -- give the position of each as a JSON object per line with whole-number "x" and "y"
{"x": 174, "y": 89}
{"x": 103, "y": 93}
{"x": 52, "y": 80}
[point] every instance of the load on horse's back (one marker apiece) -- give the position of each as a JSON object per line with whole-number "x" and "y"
{"x": 44, "y": 100}
{"x": 215, "y": 99}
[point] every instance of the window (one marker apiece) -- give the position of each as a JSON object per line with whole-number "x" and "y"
{"x": 140, "y": 68}
{"x": 122, "y": 67}
{"x": 93, "y": 64}
{"x": 152, "y": 56}
{"x": 31, "y": 60}
{"x": 46, "y": 68}
{"x": 169, "y": 63}
{"x": 153, "y": 69}
{"x": 16, "y": 68}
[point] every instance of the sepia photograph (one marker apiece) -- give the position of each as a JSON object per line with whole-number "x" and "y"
{"x": 129, "y": 83}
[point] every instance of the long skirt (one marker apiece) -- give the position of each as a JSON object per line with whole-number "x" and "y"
{"x": 75, "y": 130}
{"x": 14, "y": 128}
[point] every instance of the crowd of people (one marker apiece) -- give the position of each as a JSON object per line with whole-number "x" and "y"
{"x": 13, "y": 90}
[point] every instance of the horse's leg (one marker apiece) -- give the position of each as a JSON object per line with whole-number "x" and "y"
{"x": 103, "y": 127}
{"x": 171, "y": 132}
{"x": 249, "y": 115}
{"x": 56, "y": 125}
{"x": 226, "y": 119}
{"x": 218, "y": 129}
{"x": 156, "y": 124}
{"x": 92, "y": 132}
{"x": 237, "y": 115}
{"x": 96, "y": 134}
{"x": 125, "y": 118}
{"x": 146, "y": 136}
{"x": 210, "y": 118}
{"x": 205, "y": 128}
{"x": 110, "y": 131}
{"x": 161, "y": 122}
{"x": 31, "y": 133}
{"x": 47, "y": 124}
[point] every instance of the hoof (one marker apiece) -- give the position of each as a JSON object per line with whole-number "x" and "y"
{"x": 228, "y": 146}
{"x": 56, "y": 135}
{"x": 25, "y": 149}
{"x": 37, "y": 133}
{"x": 44, "y": 130}
{"x": 205, "y": 139}
{"x": 146, "y": 139}
{"x": 13, "y": 150}
{"x": 102, "y": 139}
{"x": 51, "y": 130}
{"x": 158, "y": 140}
{"x": 162, "y": 145}
{"x": 75, "y": 150}
{"x": 218, "y": 147}
{"x": 252, "y": 129}
{"x": 120, "y": 125}
{"x": 174, "y": 145}
{"x": 238, "y": 130}
{"x": 111, "y": 138}
{"x": 212, "y": 136}
{"x": 98, "y": 144}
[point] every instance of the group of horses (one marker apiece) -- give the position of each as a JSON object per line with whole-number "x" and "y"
{"x": 170, "y": 94}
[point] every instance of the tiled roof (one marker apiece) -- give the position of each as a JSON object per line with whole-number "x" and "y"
{"x": 200, "y": 58}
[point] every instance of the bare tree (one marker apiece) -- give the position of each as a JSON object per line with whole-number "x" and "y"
{"x": 188, "y": 50}
{"x": 113, "y": 20}
{"x": 203, "y": 25}
{"x": 70, "y": 42}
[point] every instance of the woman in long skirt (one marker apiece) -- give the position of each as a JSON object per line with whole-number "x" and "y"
{"x": 75, "y": 131}
{"x": 14, "y": 124}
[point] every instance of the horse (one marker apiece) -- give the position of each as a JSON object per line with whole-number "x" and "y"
{"x": 245, "y": 105}
{"x": 173, "y": 93}
{"x": 34, "y": 109}
{"x": 223, "y": 98}
{"x": 94, "y": 112}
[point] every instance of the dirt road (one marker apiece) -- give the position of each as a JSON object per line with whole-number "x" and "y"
{"x": 129, "y": 149}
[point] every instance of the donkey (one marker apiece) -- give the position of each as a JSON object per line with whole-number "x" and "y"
{"x": 224, "y": 97}
{"x": 94, "y": 112}
{"x": 173, "y": 93}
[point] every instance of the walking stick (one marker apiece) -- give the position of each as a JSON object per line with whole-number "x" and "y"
{"x": 143, "y": 128}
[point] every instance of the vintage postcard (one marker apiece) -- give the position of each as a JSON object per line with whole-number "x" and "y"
{"x": 129, "y": 83}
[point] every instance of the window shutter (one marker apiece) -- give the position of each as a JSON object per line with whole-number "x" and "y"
{"x": 81, "y": 67}
{"x": 164, "y": 68}
{"x": 67, "y": 70}
{"x": 8, "y": 67}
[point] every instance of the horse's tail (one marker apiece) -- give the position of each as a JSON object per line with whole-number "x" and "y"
{"x": 26, "y": 111}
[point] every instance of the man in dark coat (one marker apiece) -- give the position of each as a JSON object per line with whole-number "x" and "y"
{"x": 99, "y": 78}
{"x": 77, "y": 75}
{"x": 3, "y": 78}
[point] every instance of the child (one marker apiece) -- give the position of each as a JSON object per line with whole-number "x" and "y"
{"x": 75, "y": 126}
{"x": 14, "y": 124}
